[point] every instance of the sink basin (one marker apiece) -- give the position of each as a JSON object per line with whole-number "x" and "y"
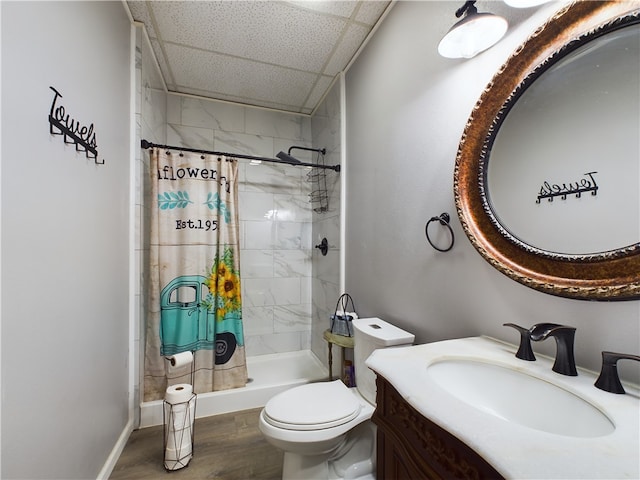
{"x": 517, "y": 397}
{"x": 524, "y": 419}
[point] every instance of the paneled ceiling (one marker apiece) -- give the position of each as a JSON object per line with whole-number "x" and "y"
{"x": 274, "y": 54}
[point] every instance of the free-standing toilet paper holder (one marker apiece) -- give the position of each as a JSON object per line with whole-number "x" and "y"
{"x": 179, "y": 412}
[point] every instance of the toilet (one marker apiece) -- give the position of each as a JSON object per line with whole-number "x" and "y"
{"x": 324, "y": 428}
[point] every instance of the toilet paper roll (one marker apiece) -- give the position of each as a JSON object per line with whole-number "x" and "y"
{"x": 177, "y": 453}
{"x": 175, "y": 459}
{"x": 181, "y": 415}
{"x": 181, "y": 359}
{"x": 180, "y": 438}
{"x": 177, "y": 465}
{"x": 178, "y": 393}
{"x": 341, "y": 312}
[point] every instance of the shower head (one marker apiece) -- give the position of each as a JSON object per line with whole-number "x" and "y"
{"x": 287, "y": 158}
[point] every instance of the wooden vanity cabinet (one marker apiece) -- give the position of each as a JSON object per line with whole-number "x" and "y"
{"x": 411, "y": 447}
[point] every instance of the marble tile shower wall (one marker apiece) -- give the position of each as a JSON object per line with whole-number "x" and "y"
{"x": 275, "y": 214}
{"x": 325, "y": 131}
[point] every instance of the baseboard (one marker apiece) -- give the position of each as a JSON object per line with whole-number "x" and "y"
{"x": 110, "y": 464}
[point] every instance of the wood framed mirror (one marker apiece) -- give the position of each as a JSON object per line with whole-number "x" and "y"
{"x": 600, "y": 274}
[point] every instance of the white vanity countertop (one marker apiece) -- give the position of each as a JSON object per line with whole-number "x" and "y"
{"x": 514, "y": 450}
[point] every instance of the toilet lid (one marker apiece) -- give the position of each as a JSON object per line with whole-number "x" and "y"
{"x": 313, "y": 406}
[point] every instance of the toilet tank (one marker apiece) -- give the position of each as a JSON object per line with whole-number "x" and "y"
{"x": 369, "y": 335}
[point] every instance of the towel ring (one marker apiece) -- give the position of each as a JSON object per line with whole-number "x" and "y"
{"x": 444, "y": 220}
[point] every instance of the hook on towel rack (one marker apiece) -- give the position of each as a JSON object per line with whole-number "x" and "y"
{"x": 444, "y": 220}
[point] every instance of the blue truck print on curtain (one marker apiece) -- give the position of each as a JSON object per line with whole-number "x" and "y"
{"x": 191, "y": 319}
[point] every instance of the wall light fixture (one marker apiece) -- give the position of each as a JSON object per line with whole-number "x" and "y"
{"x": 525, "y": 3}
{"x": 473, "y": 34}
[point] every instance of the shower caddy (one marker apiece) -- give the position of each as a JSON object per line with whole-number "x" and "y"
{"x": 317, "y": 176}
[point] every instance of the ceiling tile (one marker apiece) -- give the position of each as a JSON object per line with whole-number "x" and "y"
{"x": 353, "y": 38}
{"x": 154, "y": 78}
{"x": 264, "y": 53}
{"x": 269, "y": 32}
{"x": 318, "y": 92}
{"x": 370, "y": 12}
{"x": 242, "y": 100}
{"x": 140, "y": 13}
{"x": 162, "y": 62}
{"x": 237, "y": 76}
{"x": 342, "y": 8}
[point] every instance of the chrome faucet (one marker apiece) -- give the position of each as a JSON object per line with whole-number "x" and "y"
{"x": 565, "y": 363}
{"x": 609, "y": 381}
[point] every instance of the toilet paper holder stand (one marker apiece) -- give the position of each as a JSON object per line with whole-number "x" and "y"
{"x": 179, "y": 430}
{"x": 178, "y": 358}
{"x": 179, "y": 435}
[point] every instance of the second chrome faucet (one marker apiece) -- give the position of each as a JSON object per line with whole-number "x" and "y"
{"x": 564, "y": 335}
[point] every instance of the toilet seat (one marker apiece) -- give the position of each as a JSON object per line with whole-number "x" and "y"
{"x": 313, "y": 406}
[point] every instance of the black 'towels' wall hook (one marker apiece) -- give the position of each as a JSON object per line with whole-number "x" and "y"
{"x": 82, "y": 136}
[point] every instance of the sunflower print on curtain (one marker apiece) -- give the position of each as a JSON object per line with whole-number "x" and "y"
{"x": 195, "y": 299}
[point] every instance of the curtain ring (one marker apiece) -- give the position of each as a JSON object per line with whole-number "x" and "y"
{"x": 444, "y": 220}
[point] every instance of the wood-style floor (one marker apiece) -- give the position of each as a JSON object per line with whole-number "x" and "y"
{"x": 226, "y": 447}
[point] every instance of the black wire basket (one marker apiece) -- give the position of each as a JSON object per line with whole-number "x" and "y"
{"x": 341, "y": 323}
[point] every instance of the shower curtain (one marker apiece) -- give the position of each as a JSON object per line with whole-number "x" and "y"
{"x": 194, "y": 300}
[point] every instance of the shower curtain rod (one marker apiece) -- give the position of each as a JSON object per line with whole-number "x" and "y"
{"x": 295, "y": 162}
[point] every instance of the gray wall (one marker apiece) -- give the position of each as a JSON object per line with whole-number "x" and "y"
{"x": 406, "y": 109}
{"x": 65, "y": 239}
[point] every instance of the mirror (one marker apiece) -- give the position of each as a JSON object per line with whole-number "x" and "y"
{"x": 567, "y": 153}
{"x": 543, "y": 193}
